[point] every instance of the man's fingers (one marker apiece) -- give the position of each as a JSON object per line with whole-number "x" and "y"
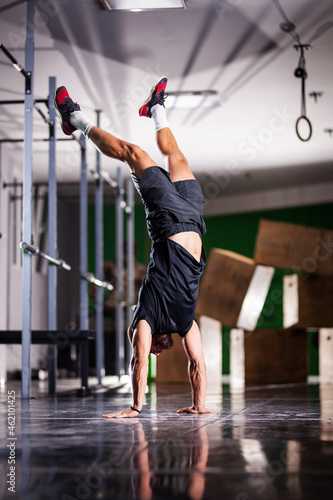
{"x": 187, "y": 410}
{"x": 192, "y": 410}
{"x": 122, "y": 414}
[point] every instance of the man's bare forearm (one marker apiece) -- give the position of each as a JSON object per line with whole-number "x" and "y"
{"x": 139, "y": 375}
{"x": 196, "y": 370}
{"x": 198, "y": 381}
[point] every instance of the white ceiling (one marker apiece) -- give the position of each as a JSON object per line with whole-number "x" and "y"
{"x": 109, "y": 60}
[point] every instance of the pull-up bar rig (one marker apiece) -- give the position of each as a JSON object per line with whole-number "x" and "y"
{"x": 19, "y": 68}
{"x": 27, "y": 215}
{"x": 34, "y": 250}
{"x": 27, "y": 73}
{"x": 50, "y": 123}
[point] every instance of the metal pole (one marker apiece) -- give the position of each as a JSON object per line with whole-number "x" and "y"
{"x": 52, "y": 233}
{"x": 99, "y": 264}
{"x": 120, "y": 269}
{"x": 27, "y": 204}
{"x": 84, "y": 359}
{"x": 130, "y": 258}
{"x": 83, "y": 237}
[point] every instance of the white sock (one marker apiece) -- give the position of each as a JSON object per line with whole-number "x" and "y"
{"x": 159, "y": 117}
{"x": 81, "y": 122}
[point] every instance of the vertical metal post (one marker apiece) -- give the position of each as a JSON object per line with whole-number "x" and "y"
{"x": 130, "y": 257}
{"x": 27, "y": 203}
{"x": 52, "y": 237}
{"x": 99, "y": 263}
{"x": 83, "y": 243}
{"x": 120, "y": 270}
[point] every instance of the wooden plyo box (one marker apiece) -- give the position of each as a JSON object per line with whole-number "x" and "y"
{"x": 294, "y": 247}
{"x": 171, "y": 366}
{"x": 223, "y": 286}
{"x": 307, "y": 301}
{"x": 268, "y": 356}
{"x": 233, "y": 289}
{"x": 276, "y": 356}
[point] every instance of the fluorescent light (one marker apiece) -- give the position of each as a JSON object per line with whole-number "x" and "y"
{"x": 142, "y": 5}
{"x": 193, "y": 99}
{"x": 105, "y": 4}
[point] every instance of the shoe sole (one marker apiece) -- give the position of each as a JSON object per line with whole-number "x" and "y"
{"x": 152, "y": 91}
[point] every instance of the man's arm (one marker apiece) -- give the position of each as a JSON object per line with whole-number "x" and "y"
{"x": 141, "y": 345}
{"x": 197, "y": 371}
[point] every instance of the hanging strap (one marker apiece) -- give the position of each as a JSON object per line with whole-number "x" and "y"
{"x": 303, "y": 117}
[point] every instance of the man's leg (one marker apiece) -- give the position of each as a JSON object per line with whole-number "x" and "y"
{"x": 154, "y": 108}
{"x": 73, "y": 119}
{"x": 137, "y": 159}
{"x": 177, "y": 163}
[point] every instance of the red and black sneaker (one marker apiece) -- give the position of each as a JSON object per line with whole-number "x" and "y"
{"x": 156, "y": 96}
{"x": 65, "y": 106}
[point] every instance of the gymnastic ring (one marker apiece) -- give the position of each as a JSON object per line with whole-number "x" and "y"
{"x": 310, "y": 128}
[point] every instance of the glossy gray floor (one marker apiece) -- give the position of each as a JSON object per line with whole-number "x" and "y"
{"x": 265, "y": 442}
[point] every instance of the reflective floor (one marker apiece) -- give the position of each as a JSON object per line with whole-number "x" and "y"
{"x": 266, "y": 442}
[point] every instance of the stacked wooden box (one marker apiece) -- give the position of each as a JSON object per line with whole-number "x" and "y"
{"x": 234, "y": 288}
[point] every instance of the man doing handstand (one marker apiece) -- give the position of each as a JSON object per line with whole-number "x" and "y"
{"x": 173, "y": 203}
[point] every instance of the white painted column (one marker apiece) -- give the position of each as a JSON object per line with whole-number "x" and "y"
{"x": 237, "y": 358}
{"x": 211, "y": 334}
{"x": 326, "y": 355}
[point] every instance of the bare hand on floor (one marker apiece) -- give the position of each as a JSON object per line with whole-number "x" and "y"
{"x": 122, "y": 414}
{"x": 193, "y": 410}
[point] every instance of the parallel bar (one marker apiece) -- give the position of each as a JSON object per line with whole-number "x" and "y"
{"x": 101, "y": 284}
{"x": 120, "y": 270}
{"x": 10, "y": 56}
{"x": 19, "y": 184}
{"x": 34, "y": 250}
{"x": 52, "y": 234}
{"x": 27, "y": 205}
{"x": 100, "y": 371}
{"x": 21, "y": 101}
{"x": 108, "y": 179}
{"x": 83, "y": 245}
{"x": 61, "y": 139}
{"x": 130, "y": 258}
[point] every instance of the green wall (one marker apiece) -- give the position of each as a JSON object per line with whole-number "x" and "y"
{"x": 237, "y": 232}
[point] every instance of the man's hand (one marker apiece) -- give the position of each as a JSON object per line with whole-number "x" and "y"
{"x": 194, "y": 410}
{"x": 122, "y": 414}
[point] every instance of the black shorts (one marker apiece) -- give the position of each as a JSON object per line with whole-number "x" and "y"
{"x": 171, "y": 207}
{"x": 168, "y": 296}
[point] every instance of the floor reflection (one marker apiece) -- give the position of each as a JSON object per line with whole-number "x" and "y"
{"x": 268, "y": 442}
{"x": 170, "y": 467}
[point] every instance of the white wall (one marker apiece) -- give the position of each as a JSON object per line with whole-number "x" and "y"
{"x": 270, "y": 199}
{"x": 11, "y": 274}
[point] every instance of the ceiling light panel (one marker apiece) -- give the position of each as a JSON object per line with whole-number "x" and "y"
{"x": 192, "y": 100}
{"x": 141, "y": 5}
